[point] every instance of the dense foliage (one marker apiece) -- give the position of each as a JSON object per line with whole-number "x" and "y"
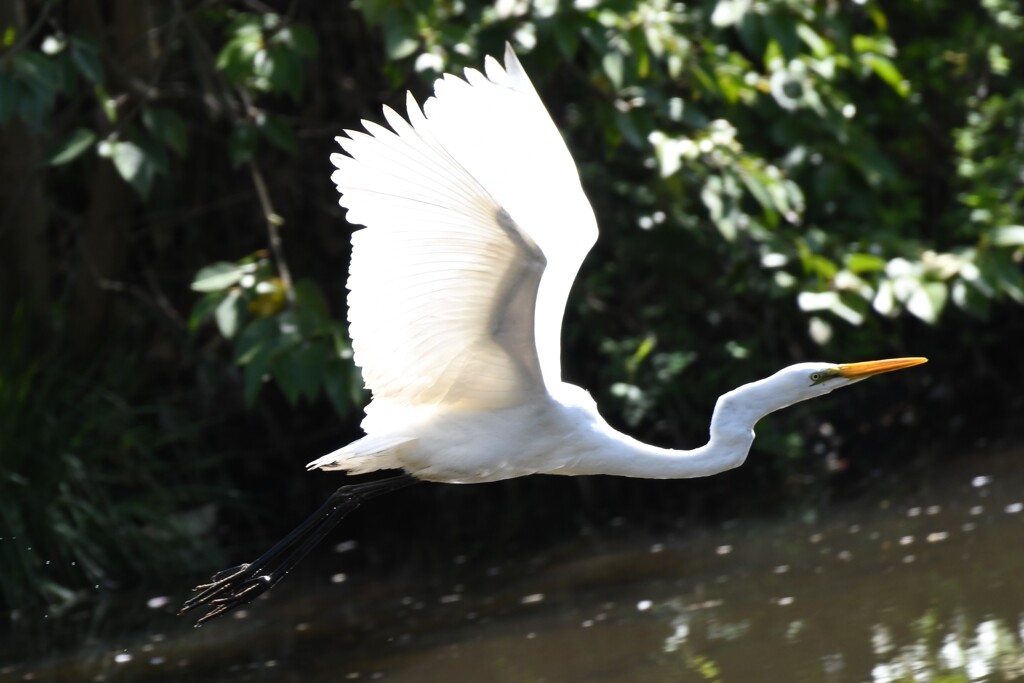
{"x": 774, "y": 181}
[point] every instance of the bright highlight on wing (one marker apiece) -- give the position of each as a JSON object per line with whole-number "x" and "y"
{"x": 476, "y": 227}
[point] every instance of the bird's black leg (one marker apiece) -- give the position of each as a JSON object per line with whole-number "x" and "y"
{"x": 236, "y": 586}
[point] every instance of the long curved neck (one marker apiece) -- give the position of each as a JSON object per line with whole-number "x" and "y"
{"x": 731, "y": 435}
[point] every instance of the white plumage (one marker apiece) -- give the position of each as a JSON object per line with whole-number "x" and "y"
{"x": 476, "y": 226}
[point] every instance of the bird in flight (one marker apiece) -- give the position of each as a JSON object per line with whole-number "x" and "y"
{"x": 476, "y": 225}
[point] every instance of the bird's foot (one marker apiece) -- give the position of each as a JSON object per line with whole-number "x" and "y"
{"x": 228, "y": 589}
{"x": 236, "y": 586}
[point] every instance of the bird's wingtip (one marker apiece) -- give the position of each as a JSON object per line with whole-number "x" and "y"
{"x": 512, "y": 62}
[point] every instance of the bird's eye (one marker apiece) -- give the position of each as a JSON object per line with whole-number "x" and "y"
{"x": 821, "y": 376}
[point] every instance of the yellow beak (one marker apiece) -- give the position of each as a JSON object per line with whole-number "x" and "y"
{"x": 877, "y": 367}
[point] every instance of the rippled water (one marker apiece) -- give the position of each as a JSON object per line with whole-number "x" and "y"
{"x": 925, "y": 590}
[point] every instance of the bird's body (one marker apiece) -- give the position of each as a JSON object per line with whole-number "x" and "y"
{"x": 476, "y": 225}
{"x": 469, "y": 445}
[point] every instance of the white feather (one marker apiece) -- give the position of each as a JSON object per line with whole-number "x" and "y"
{"x": 476, "y": 227}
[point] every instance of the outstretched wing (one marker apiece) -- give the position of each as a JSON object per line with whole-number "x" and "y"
{"x": 476, "y": 227}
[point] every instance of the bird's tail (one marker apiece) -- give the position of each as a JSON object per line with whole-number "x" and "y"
{"x": 368, "y": 454}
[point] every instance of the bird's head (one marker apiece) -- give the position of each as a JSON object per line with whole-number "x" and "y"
{"x": 738, "y": 411}
{"x": 745, "y": 405}
{"x": 808, "y": 380}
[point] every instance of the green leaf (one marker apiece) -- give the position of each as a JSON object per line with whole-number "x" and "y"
{"x": 832, "y": 302}
{"x": 35, "y": 106}
{"x": 217, "y": 276}
{"x": 311, "y": 298}
{"x": 627, "y": 127}
{"x": 255, "y": 349}
{"x": 885, "y": 298}
{"x": 863, "y": 263}
{"x": 718, "y": 196}
{"x": 979, "y": 274}
{"x": 729, "y": 12}
{"x": 317, "y": 355}
{"x": 339, "y": 333}
{"x": 298, "y": 370}
{"x": 879, "y": 44}
{"x": 168, "y": 127}
{"x": 878, "y": 17}
{"x": 400, "y": 34}
{"x": 279, "y": 134}
{"x": 36, "y": 70}
{"x": 282, "y": 70}
{"x": 245, "y": 25}
{"x": 135, "y": 165}
{"x": 861, "y": 43}
{"x": 614, "y": 67}
{"x": 820, "y": 48}
{"x": 291, "y": 328}
{"x": 242, "y": 143}
{"x": 71, "y": 146}
{"x": 970, "y": 299}
{"x": 863, "y": 154}
{"x": 815, "y": 264}
{"x": 695, "y": 117}
{"x": 255, "y": 373}
{"x": 229, "y": 313}
{"x": 754, "y": 182}
{"x": 156, "y": 153}
{"x": 337, "y": 382}
{"x": 927, "y": 301}
{"x": 821, "y": 266}
{"x": 302, "y": 40}
{"x": 254, "y": 338}
{"x": 781, "y": 28}
{"x": 1001, "y": 268}
{"x": 643, "y": 350}
{"x": 232, "y": 61}
{"x": 85, "y": 54}
{"x": 885, "y": 69}
{"x": 1008, "y": 236}
{"x": 107, "y": 103}
{"x": 750, "y": 30}
{"x": 399, "y": 46}
{"x": 32, "y": 93}
{"x": 203, "y": 309}
{"x": 236, "y": 58}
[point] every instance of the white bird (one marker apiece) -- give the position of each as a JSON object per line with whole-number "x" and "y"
{"x": 476, "y": 226}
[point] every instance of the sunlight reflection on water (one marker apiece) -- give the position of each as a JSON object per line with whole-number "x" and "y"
{"x": 927, "y": 590}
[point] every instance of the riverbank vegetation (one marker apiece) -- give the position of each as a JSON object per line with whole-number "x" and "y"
{"x": 775, "y": 181}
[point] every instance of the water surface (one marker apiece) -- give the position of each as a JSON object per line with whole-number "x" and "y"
{"x": 927, "y": 589}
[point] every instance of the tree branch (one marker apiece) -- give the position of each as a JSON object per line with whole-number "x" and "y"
{"x": 274, "y": 222}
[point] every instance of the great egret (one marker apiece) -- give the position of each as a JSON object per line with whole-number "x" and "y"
{"x": 476, "y": 225}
